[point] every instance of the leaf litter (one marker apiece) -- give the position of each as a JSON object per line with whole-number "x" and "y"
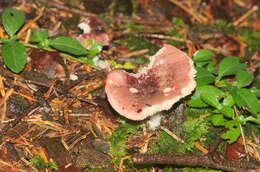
{"x": 54, "y": 112}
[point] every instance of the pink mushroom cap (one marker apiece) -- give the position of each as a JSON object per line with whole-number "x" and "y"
{"x": 169, "y": 76}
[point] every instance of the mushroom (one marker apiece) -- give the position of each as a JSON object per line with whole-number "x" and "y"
{"x": 169, "y": 76}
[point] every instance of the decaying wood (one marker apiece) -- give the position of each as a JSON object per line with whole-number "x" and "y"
{"x": 194, "y": 161}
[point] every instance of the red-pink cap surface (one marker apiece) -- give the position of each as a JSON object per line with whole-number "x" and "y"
{"x": 169, "y": 76}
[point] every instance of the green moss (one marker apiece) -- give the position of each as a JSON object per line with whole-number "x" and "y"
{"x": 136, "y": 43}
{"x": 251, "y": 38}
{"x": 118, "y": 147}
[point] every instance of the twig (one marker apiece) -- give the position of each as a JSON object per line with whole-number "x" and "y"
{"x": 242, "y": 134}
{"x": 218, "y": 50}
{"x": 159, "y": 36}
{"x": 4, "y": 103}
{"x": 135, "y": 53}
{"x": 243, "y": 17}
{"x": 29, "y": 24}
{"x": 196, "y": 17}
{"x": 200, "y": 147}
{"x": 194, "y": 160}
{"x": 172, "y": 134}
{"x": 122, "y": 162}
{"x": 68, "y": 9}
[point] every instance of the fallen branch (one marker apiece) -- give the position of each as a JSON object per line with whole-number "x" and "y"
{"x": 194, "y": 161}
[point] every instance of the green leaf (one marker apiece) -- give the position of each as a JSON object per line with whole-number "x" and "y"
{"x": 201, "y": 64}
{"x": 95, "y": 48}
{"x": 211, "y": 99}
{"x": 255, "y": 91}
{"x": 12, "y": 20}
{"x": 230, "y": 66}
{"x": 14, "y": 55}
{"x": 178, "y": 22}
{"x": 231, "y": 135}
{"x": 39, "y": 35}
{"x": 211, "y": 67}
{"x": 217, "y": 120}
{"x": 244, "y": 97}
{"x": 196, "y": 100}
{"x": 204, "y": 77}
{"x": 228, "y": 111}
{"x": 68, "y": 45}
{"x": 228, "y": 101}
{"x": 39, "y": 162}
{"x": 252, "y": 119}
{"x": 86, "y": 60}
{"x": 236, "y": 97}
{"x": 243, "y": 78}
{"x": 202, "y": 55}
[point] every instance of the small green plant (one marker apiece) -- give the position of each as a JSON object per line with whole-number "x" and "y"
{"x": 38, "y": 162}
{"x": 226, "y": 90}
{"x": 14, "y": 52}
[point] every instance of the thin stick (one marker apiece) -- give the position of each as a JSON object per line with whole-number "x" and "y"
{"x": 172, "y": 134}
{"x": 242, "y": 134}
{"x": 122, "y": 162}
{"x": 159, "y": 36}
{"x": 30, "y": 23}
{"x": 243, "y": 17}
{"x": 68, "y": 9}
{"x": 196, "y": 17}
{"x": 135, "y": 53}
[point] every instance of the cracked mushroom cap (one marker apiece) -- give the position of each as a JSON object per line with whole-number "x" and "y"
{"x": 169, "y": 76}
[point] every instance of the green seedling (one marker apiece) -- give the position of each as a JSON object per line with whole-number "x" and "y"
{"x": 14, "y": 52}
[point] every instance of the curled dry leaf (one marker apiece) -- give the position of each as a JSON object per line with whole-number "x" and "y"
{"x": 169, "y": 77}
{"x": 47, "y": 62}
{"x": 235, "y": 151}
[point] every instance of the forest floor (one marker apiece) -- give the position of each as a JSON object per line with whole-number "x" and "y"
{"x": 55, "y": 115}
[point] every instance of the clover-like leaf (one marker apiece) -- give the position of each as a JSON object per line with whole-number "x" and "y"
{"x": 228, "y": 111}
{"x": 217, "y": 120}
{"x": 231, "y": 135}
{"x": 230, "y": 66}
{"x": 255, "y": 91}
{"x": 12, "y": 20}
{"x": 211, "y": 66}
{"x": 196, "y": 100}
{"x": 228, "y": 101}
{"x": 204, "y": 77}
{"x": 244, "y": 97}
{"x": 211, "y": 99}
{"x": 202, "y": 55}
{"x": 243, "y": 78}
